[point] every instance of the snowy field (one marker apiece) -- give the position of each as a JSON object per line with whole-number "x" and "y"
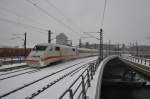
{"x": 53, "y": 92}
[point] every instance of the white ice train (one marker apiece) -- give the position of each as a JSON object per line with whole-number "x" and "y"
{"x": 46, "y": 53}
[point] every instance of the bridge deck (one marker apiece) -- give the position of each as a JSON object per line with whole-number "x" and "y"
{"x": 121, "y": 79}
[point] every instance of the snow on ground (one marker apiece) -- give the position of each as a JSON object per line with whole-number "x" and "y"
{"x": 16, "y": 72}
{"x": 56, "y": 91}
{"x": 13, "y": 71}
{"x": 13, "y": 83}
{"x": 12, "y": 65}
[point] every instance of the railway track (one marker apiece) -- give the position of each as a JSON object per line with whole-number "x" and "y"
{"x": 50, "y": 84}
{"x": 13, "y": 68}
{"x": 11, "y": 76}
{"x": 4, "y": 76}
{"x": 6, "y": 73}
{"x": 47, "y": 76}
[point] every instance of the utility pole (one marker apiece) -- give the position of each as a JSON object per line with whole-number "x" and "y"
{"x": 49, "y": 36}
{"x": 123, "y": 48}
{"x": 118, "y": 49}
{"x": 109, "y": 46}
{"x": 137, "y": 49}
{"x": 80, "y": 43}
{"x": 101, "y": 46}
{"x": 106, "y": 49}
{"x": 25, "y": 43}
{"x": 115, "y": 49}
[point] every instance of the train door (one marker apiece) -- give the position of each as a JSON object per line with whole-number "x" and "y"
{"x": 57, "y": 52}
{"x": 47, "y": 58}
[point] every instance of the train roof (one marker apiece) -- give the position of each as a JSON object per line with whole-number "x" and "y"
{"x": 52, "y": 44}
{"x": 87, "y": 49}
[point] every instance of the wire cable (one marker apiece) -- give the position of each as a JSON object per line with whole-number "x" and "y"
{"x": 61, "y": 13}
{"x": 21, "y": 24}
{"x": 103, "y": 15}
{"x": 51, "y": 16}
{"x": 21, "y": 16}
{"x": 91, "y": 35}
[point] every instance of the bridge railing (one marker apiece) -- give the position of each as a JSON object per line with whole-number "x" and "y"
{"x": 80, "y": 86}
{"x": 139, "y": 60}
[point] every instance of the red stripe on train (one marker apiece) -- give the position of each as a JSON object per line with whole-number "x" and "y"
{"x": 52, "y": 57}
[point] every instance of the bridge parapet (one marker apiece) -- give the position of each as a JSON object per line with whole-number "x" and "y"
{"x": 140, "y": 64}
{"x": 79, "y": 87}
{"x": 94, "y": 93}
{"x": 89, "y": 79}
{"x": 120, "y": 77}
{"x": 138, "y": 60}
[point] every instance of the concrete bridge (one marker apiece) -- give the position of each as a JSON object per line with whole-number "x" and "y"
{"x": 122, "y": 77}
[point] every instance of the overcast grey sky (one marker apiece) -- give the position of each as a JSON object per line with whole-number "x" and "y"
{"x": 125, "y": 20}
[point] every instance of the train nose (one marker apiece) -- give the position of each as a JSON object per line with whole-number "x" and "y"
{"x": 32, "y": 61}
{"x": 42, "y": 63}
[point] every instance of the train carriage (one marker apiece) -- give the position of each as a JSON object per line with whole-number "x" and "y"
{"x": 46, "y": 53}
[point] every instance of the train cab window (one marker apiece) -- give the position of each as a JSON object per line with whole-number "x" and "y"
{"x": 39, "y": 48}
{"x": 51, "y": 48}
{"x": 57, "y": 48}
{"x": 73, "y": 49}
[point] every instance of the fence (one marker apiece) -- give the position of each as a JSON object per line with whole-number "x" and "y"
{"x": 11, "y": 60}
{"x": 80, "y": 86}
{"x": 139, "y": 60}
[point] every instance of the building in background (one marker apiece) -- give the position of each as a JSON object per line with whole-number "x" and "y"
{"x": 69, "y": 42}
{"x": 62, "y": 39}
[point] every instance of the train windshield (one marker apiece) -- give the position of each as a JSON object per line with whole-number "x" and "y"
{"x": 39, "y": 48}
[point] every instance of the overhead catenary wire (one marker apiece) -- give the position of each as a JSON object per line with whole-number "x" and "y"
{"x": 102, "y": 21}
{"x": 103, "y": 14}
{"x": 51, "y": 16}
{"x": 86, "y": 33}
{"x": 21, "y": 16}
{"x": 22, "y": 24}
{"x": 56, "y": 19}
{"x": 61, "y": 13}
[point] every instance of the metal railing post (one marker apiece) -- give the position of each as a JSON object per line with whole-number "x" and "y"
{"x": 20, "y": 59}
{"x": 11, "y": 60}
{"x": 136, "y": 59}
{"x": 91, "y": 72}
{"x": 83, "y": 89}
{"x": 141, "y": 61}
{"x": 70, "y": 93}
{"x": 93, "y": 69}
{"x": 88, "y": 78}
{"x": 145, "y": 62}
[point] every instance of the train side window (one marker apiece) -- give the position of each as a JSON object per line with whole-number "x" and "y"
{"x": 57, "y": 48}
{"x": 50, "y": 49}
{"x": 73, "y": 49}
